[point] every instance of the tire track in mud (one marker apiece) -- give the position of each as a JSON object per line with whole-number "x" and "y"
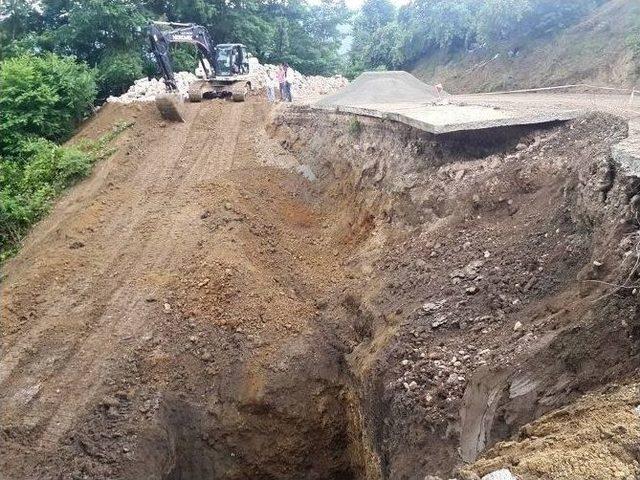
{"x": 149, "y": 231}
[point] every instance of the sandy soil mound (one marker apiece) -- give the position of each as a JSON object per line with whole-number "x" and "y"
{"x": 597, "y": 437}
{"x": 383, "y": 87}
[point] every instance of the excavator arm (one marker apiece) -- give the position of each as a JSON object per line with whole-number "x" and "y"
{"x": 196, "y": 35}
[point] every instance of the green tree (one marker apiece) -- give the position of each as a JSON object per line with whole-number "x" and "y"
{"x": 116, "y": 72}
{"x": 18, "y": 17}
{"x": 96, "y": 28}
{"x": 373, "y": 16}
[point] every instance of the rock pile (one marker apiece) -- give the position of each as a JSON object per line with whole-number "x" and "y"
{"x": 145, "y": 90}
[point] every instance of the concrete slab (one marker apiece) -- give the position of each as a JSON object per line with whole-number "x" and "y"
{"x": 451, "y": 117}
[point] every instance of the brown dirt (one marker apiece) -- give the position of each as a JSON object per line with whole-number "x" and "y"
{"x": 561, "y": 445}
{"x": 471, "y": 234}
{"x": 186, "y": 320}
{"x": 226, "y": 318}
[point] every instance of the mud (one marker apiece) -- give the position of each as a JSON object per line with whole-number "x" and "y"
{"x": 421, "y": 300}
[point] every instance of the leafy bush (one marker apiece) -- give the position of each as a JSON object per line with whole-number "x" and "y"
{"x": 52, "y": 165}
{"x": 116, "y": 72}
{"x": 184, "y": 58}
{"x": 42, "y": 96}
{"x": 29, "y": 186}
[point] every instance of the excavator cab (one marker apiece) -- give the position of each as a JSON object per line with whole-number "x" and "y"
{"x": 231, "y": 59}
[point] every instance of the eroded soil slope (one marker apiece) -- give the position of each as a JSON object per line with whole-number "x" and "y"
{"x": 198, "y": 309}
{"x": 493, "y": 265}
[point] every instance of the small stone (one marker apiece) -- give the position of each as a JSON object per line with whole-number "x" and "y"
{"x": 517, "y": 327}
{"x": 471, "y": 290}
{"x": 457, "y": 273}
{"x": 193, "y": 339}
{"x": 439, "y": 321}
{"x": 430, "y": 307}
{"x": 597, "y": 264}
{"x": 487, "y": 254}
{"x": 405, "y": 362}
{"x": 413, "y": 385}
{"x": 167, "y": 307}
{"x": 502, "y": 474}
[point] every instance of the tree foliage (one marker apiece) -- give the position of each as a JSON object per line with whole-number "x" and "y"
{"x": 42, "y": 96}
{"x": 385, "y": 38}
{"x": 117, "y": 71}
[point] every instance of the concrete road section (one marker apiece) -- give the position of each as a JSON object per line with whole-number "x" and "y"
{"x": 401, "y": 97}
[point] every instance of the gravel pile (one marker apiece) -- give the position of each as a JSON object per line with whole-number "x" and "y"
{"x": 145, "y": 90}
{"x": 385, "y": 87}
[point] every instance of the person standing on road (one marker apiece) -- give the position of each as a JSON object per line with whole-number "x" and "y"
{"x": 288, "y": 79}
{"x": 280, "y": 77}
{"x": 270, "y": 83}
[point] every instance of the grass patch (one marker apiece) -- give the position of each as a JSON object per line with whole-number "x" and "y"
{"x": 355, "y": 126}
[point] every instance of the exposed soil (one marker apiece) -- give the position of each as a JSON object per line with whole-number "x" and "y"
{"x": 199, "y": 309}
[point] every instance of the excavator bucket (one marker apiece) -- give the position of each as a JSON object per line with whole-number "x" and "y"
{"x": 170, "y": 107}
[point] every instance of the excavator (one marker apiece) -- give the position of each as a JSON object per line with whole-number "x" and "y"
{"x": 224, "y": 67}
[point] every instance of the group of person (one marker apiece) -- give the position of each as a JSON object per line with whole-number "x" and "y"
{"x": 281, "y": 81}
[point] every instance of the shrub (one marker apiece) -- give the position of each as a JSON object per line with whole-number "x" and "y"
{"x": 355, "y": 127}
{"x": 42, "y": 96}
{"x": 53, "y": 165}
{"x": 184, "y": 58}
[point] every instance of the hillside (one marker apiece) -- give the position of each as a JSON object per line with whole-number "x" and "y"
{"x": 596, "y": 50}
